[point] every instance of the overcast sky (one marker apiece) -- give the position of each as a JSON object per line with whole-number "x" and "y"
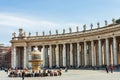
{"x": 44, "y": 15}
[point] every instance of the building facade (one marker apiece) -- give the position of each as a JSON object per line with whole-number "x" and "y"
{"x": 5, "y": 56}
{"x": 94, "y": 47}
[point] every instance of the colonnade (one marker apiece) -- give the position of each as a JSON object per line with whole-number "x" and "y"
{"x": 87, "y": 53}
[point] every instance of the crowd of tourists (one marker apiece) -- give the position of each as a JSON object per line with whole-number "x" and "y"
{"x": 17, "y": 72}
{"x": 30, "y": 73}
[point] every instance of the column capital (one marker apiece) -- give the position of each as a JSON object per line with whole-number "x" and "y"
{"x": 64, "y": 43}
{"x": 50, "y": 44}
{"x": 99, "y": 39}
{"x": 92, "y": 40}
{"x": 43, "y": 45}
{"x": 106, "y": 38}
{"x": 114, "y": 36}
{"x": 25, "y": 46}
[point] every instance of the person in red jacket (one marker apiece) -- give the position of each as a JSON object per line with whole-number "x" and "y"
{"x": 111, "y": 68}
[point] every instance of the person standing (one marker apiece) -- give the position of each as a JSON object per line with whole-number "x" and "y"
{"x": 111, "y": 68}
{"x": 66, "y": 69}
{"x": 23, "y": 75}
{"x": 106, "y": 68}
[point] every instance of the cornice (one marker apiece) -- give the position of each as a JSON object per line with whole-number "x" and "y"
{"x": 73, "y": 35}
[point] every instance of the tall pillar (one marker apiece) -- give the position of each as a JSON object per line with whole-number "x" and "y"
{"x": 100, "y": 52}
{"x": 57, "y": 55}
{"x": 85, "y": 54}
{"x": 78, "y": 54}
{"x": 71, "y": 54}
{"x": 64, "y": 55}
{"x": 25, "y": 56}
{"x": 92, "y": 53}
{"x": 111, "y": 53}
{"x": 107, "y": 51}
{"x": 50, "y": 59}
{"x": 14, "y": 57}
{"x": 29, "y": 56}
{"x": 44, "y": 56}
{"x": 114, "y": 51}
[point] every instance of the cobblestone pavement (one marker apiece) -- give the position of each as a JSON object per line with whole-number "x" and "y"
{"x": 72, "y": 75}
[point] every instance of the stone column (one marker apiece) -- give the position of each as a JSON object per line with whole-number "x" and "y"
{"x": 78, "y": 54}
{"x": 107, "y": 51}
{"x": 85, "y": 54}
{"x": 114, "y": 51}
{"x": 71, "y": 54}
{"x": 92, "y": 53}
{"x": 64, "y": 55}
{"x": 14, "y": 57}
{"x": 12, "y": 61}
{"x": 25, "y": 56}
{"x": 50, "y": 59}
{"x": 57, "y": 55}
{"x": 99, "y": 52}
{"x": 46, "y": 57}
{"x": 43, "y": 55}
{"x": 29, "y": 56}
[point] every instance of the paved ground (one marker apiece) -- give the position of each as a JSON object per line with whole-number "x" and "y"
{"x": 72, "y": 75}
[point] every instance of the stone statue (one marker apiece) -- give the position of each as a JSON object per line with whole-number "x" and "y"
{"x": 98, "y": 24}
{"x": 77, "y": 29}
{"x": 43, "y": 33}
{"x": 36, "y": 33}
{"x": 14, "y": 34}
{"x": 63, "y": 31}
{"x": 106, "y": 23}
{"x": 84, "y": 27}
{"x": 70, "y": 30}
{"x": 91, "y": 26}
{"x": 113, "y": 20}
{"x": 21, "y": 34}
{"x": 56, "y": 31}
{"x": 49, "y": 32}
{"x": 29, "y": 33}
{"x": 24, "y": 34}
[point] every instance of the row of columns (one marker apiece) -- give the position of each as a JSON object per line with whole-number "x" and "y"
{"x": 14, "y": 58}
{"x": 92, "y": 50}
{"x": 71, "y": 53}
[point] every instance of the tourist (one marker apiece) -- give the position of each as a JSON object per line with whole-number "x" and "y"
{"x": 66, "y": 69}
{"x": 106, "y": 68}
{"x": 23, "y": 75}
{"x": 111, "y": 68}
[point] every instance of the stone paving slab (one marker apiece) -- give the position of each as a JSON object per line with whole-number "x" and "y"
{"x": 72, "y": 75}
